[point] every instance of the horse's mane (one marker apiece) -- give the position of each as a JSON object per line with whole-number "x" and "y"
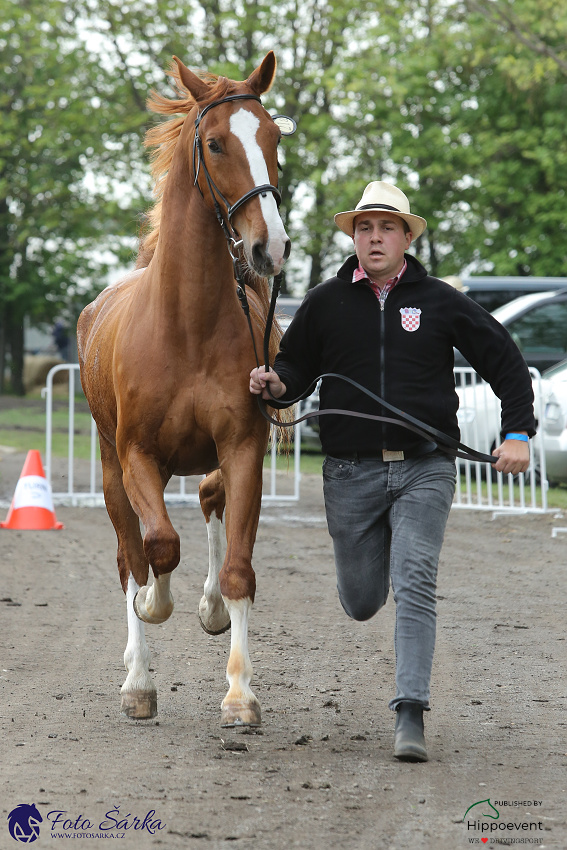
{"x": 162, "y": 139}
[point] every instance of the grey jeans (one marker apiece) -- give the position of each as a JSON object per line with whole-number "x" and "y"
{"x": 387, "y": 521}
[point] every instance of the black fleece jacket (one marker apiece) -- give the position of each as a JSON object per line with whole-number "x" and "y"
{"x": 341, "y": 328}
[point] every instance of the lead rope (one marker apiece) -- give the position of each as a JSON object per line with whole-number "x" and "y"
{"x": 444, "y": 442}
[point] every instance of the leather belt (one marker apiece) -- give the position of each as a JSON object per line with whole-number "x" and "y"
{"x": 387, "y": 455}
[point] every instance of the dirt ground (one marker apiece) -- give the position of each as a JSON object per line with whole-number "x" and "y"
{"x": 320, "y": 773}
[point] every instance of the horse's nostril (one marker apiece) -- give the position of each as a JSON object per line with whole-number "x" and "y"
{"x": 287, "y": 249}
{"x": 258, "y": 254}
{"x": 262, "y": 261}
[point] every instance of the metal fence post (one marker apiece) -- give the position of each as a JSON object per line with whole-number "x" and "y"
{"x": 93, "y": 495}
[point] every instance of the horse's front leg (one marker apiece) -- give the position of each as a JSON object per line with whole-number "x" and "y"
{"x": 243, "y": 482}
{"x": 144, "y": 486}
{"x": 240, "y": 706}
{"x": 154, "y": 603}
{"x": 139, "y": 695}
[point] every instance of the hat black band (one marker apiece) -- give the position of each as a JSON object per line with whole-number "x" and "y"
{"x": 378, "y": 207}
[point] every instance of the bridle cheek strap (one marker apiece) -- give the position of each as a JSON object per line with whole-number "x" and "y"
{"x": 216, "y": 194}
{"x": 232, "y": 238}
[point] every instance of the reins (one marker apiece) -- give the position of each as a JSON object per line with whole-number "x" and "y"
{"x": 444, "y": 442}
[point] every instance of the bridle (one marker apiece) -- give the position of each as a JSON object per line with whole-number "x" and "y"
{"x": 233, "y": 239}
{"x": 447, "y": 444}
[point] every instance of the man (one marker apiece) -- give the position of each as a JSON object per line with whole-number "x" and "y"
{"x": 384, "y": 322}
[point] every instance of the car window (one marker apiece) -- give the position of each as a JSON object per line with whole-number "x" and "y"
{"x": 542, "y": 330}
{"x": 492, "y": 299}
{"x": 558, "y": 372}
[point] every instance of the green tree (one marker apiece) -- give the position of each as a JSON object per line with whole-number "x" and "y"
{"x": 312, "y": 41}
{"x": 57, "y": 212}
{"x": 460, "y": 102}
{"x": 538, "y": 26}
{"x": 472, "y": 114}
{"x": 519, "y": 146}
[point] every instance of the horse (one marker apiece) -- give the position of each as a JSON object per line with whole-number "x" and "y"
{"x": 165, "y": 356}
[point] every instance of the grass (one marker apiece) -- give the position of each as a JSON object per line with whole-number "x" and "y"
{"x": 310, "y": 462}
{"x": 24, "y": 441}
{"x": 22, "y": 427}
{"x": 556, "y": 496}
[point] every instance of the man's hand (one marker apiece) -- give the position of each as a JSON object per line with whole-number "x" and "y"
{"x": 258, "y": 380}
{"x": 513, "y": 457}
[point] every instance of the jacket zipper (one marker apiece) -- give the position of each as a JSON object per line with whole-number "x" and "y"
{"x": 383, "y": 296}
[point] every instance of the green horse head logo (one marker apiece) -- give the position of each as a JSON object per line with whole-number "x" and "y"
{"x": 484, "y": 814}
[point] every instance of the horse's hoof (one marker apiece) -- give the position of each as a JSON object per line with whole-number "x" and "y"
{"x": 214, "y": 619}
{"x": 142, "y": 612}
{"x": 139, "y": 705}
{"x": 241, "y": 714}
{"x": 211, "y": 632}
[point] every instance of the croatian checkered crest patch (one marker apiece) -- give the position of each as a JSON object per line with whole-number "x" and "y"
{"x": 410, "y": 318}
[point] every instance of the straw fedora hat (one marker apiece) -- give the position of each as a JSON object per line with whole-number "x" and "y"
{"x": 382, "y": 196}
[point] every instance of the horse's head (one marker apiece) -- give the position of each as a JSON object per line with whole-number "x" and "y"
{"x": 235, "y": 160}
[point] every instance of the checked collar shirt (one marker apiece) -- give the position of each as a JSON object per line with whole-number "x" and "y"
{"x": 381, "y": 294}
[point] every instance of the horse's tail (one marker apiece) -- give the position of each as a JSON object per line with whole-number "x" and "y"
{"x": 259, "y": 300}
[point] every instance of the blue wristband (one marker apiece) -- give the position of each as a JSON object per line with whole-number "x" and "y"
{"x": 523, "y": 437}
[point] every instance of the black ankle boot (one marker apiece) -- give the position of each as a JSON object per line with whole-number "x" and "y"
{"x": 409, "y": 743}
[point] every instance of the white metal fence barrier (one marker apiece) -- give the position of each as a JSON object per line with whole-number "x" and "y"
{"x": 82, "y": 482}
{"x": 478, "y": 486}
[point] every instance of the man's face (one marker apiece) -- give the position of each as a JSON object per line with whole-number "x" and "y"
{"x": 380, "y": 242}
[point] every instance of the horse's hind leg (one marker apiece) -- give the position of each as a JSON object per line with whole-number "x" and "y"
{"x": 213, "y": 613}
{"x": 139, "y": 696}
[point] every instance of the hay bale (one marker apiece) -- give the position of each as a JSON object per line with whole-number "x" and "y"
{"x": 36, "y": 369}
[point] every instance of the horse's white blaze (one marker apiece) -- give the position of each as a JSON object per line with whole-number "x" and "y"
{"x": 239, "y": 669}
{"x": 137, "y": 654}
{"x": 244, "y": 125}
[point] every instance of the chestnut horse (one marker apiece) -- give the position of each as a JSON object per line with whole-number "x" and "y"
{"x": 165, "y": 358}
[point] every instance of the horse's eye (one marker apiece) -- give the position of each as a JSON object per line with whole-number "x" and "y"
{"x": 214, "y": 146}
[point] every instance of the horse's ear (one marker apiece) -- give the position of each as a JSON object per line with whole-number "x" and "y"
{"x": 261, "y": 79}
{"x": 194, "y": 84}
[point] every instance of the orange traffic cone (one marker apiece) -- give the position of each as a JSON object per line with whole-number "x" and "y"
{"x": 32, "y": 505}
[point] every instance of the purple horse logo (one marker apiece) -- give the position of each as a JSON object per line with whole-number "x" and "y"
{"x": 23, "y": 823}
